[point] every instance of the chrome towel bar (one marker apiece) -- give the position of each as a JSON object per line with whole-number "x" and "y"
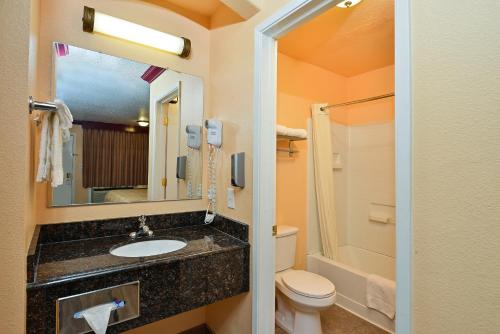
{"x": 36, "y": 105}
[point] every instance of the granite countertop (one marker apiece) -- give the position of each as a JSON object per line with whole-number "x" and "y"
{"x": 64, "y": 261}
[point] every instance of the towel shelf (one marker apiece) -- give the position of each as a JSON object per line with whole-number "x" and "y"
{"x": 290, "y": 140}
{"x": 36, "y": 105}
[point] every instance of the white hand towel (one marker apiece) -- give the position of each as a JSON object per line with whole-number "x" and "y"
{"x": 381, "y": 295}
{"x": 56, "y": 171}
{"x": 281, "y": 129}
{"x": 65, "y": 119}
{"x": 98, "y": 317}
{"x": 55, "y": 132}
{"x": 43, "y": 161}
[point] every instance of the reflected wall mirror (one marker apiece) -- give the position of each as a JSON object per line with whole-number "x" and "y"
{"x": 136, "y": 134}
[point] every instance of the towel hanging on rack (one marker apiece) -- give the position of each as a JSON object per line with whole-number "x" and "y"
{"x": 55, "y": 132}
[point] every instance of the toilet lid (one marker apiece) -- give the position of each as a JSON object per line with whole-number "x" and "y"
{"x": 308, "y": 284}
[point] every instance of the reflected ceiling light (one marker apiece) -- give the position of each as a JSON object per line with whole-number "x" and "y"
{"x": 348, "y": 3}
{"x": 143, "y": 120}
{"x": 95, "y": 22}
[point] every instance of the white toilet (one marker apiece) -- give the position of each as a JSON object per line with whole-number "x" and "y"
{"x": 300, "y": 294}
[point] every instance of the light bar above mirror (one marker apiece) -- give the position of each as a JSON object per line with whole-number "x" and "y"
{"x": 96, "y": 22}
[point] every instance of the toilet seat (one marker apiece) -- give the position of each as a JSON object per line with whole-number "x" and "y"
{"x": 308, "y": 284}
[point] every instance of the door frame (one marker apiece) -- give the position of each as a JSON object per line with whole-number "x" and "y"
{"x": 264, "y": 157}
{"x": 154, "y": 125}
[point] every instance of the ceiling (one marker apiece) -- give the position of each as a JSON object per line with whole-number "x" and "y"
{"x": 101, "y": 88}
{"x": 346, "y": 41}
{"x": 208, "y": 13}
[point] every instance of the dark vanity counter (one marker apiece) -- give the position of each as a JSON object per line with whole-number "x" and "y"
{"x": 214, "y": 265}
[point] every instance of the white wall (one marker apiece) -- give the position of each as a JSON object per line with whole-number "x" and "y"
{"x": 365, "y": 176}
{"x": 371, "y": 181}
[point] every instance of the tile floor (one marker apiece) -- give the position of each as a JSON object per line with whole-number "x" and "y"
{"x": 336, "y": 320}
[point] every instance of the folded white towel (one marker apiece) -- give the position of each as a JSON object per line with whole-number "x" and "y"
{"x": 55, "y": 132}
{"x": 285, "y": 131}
{"x": 381, "y": 295}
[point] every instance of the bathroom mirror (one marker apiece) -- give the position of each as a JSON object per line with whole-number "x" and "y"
{"x": 136, "y": 133}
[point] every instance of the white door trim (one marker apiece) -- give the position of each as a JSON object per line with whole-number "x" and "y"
{"x": 264, "y": 158}
{"x": 404, "y": 169}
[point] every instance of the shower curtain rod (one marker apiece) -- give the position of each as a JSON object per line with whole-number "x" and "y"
{"x": 373, "y": 98}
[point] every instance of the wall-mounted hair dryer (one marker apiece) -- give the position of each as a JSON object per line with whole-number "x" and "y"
{"x": 193, "y": 136}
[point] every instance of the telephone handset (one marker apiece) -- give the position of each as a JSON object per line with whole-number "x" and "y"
{"x": 193, "y": 176}
{"x": 214, "y": 140}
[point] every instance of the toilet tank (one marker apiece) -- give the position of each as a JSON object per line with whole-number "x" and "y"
{"x": 286, "y": 240}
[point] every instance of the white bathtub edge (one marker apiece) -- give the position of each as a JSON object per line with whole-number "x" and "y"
{"x": 350, "y": 282}
{"x": 363, "y": 312}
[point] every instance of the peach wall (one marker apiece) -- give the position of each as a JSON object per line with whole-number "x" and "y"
{"x": 60, "y": 20}
{"x": 299, "y": 85}
{"x": 456, "y": 162}
{"x": 33, "y": 89}
{"x": 16, "y": 214}
{"x": 231, "y": 86}
{"x": 373, "y": 83}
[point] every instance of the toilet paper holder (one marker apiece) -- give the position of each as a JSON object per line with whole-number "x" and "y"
{"x": 126, "y": 297}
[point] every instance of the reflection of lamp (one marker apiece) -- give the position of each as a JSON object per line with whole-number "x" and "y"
{"x": 143, "y": 119}
{"x": 94, "y": 21}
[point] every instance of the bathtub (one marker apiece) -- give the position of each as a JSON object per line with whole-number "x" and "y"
{"x": 349, "y": 276}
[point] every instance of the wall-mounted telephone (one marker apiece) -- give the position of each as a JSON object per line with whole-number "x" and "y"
{"x": 214, "y": 132}
{"x": 214, "y": 140}
{"x": 193, "y": 161}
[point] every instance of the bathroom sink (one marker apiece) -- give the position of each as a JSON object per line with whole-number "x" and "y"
{"x": 148, "y": 248}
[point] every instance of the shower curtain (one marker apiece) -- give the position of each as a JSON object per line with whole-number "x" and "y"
{"x": 323, "y": 179}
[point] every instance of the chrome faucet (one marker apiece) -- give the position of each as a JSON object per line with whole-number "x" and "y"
{"x": 143, "y": 229}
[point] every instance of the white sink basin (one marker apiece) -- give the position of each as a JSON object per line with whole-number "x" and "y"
{"x": 148, "y": 248}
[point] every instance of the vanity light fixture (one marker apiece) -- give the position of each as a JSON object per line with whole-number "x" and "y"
{"x": 348, "y": 3}
{"x": 95, "y": 22}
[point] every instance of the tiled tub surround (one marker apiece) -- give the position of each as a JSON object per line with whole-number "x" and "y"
{"x": 73, "y": 258}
